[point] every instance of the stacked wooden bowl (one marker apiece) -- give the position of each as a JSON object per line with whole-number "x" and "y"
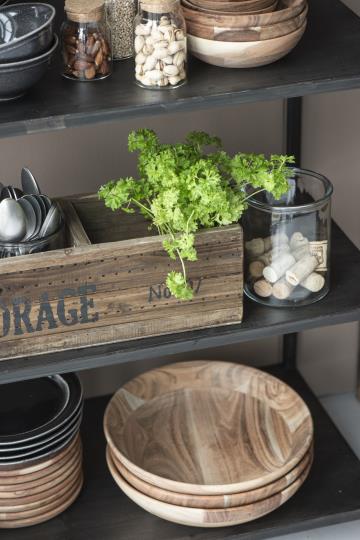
{"x": 243, "y": 33}
{"x": 208, "y": 444}
{"x": 40, "y": 449}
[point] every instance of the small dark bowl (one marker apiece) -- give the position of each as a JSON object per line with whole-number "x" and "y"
{"x": 17, "y": 78}
{"x": 26, "y": 30}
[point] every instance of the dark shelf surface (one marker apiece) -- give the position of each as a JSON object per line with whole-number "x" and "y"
{"x": 330, "y": 495}
{"x": 327, "y": 59}
{"x": 340, "y": 306}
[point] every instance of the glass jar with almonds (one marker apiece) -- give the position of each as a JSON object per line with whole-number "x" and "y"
{"x": 86, "y": 43}
{"x": 160, "y": 44}
{"x": 287, "y": 242}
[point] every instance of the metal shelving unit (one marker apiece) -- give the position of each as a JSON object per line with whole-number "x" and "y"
{"x": 327, "y": 59}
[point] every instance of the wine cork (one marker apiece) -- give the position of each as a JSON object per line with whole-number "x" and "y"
{"x": 275, "y": 240}
{"x": 256, "y": 269}
{"x": 263, "y": 288}
{"x": 282, "y": 289}
{"x": 314, "y": 282}
{"x": 269, "y": 256}
{"x": 298, "y": 240}
{"x": 278, "y": 267}
{"x": 301, "y": 269}
{"x": 255, "y": 247}
{"x": 301, "y": 251}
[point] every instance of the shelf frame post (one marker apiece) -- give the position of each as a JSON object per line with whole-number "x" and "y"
{"x": 293, "y": 132}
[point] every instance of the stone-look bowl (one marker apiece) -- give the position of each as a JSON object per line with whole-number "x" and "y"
{"x": 16, "y": 78}
{"x": 246, "y": 54}
{"x": 26, "y": 31}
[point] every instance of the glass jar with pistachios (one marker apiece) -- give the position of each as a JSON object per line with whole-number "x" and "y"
{"x": 86, "y": 41}
{"x": 160, "y": 44}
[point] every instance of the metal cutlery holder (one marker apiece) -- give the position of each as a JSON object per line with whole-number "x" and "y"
{"x": 47, "y": 243}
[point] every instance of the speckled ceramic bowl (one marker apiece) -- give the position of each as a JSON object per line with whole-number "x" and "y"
{"x": 16, "y": 78}
{"x": 26, "y": 30}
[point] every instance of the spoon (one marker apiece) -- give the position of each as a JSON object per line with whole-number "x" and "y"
{"x": 12, "y": 221}
{"x": 51, "y": 223}
{"x": 28, "y": 182}
{"x": 30, "y": 215}
{"x": 38, "y": 213}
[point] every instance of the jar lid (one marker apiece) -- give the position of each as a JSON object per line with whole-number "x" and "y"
{"x": 158, "y": 6}
{"x": 84, "y": 10}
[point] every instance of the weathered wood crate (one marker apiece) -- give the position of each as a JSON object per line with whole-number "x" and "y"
{"x": 108, "y": 284}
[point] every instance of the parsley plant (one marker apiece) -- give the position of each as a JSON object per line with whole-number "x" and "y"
{"x": 185, "y": 187}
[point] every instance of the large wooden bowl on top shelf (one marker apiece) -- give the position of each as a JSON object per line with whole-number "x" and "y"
{"x": 236, "y": 7}
{"x": 244, "y": 54}
{"x": 255, "y": 33}
{"x": 208, "y": 428}
{"x": 286, "y": 9}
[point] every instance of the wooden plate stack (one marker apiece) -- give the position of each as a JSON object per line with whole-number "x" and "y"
{"x": 208, "y": 444}
{"x": 40, "y": 449}
{"x": 244, "y": 33}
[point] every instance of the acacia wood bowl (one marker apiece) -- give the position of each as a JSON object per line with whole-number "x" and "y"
{"x": 209, "y": 518}
{"x": 208, "y": 428}
{"x": 255, "y": 33}
{"x": 264, "y": 6}
{"x": 287, "y": 9}
{"x": 246, "y": 54}
{"x": 214, "y": 501}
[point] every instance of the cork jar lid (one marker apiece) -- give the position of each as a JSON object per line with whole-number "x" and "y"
{"x": 84, "y": 10}
{"x": 158, "y": 6}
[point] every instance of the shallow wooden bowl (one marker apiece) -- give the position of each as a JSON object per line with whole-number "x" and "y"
{"x": 210, "y": 518}
{"x": 246, "y": 54}
{"x": 40, "y": 499}
{"x": 43, "y": 514}
{"x": 208, "y": 428}
{"x": 287, "y": 9}
{"x": 19, "y": 491}
{"x": 214, "y": 501}
{"x": 255, "y": 33}
{"x": 265, "y": 6}
{"x": 26, "y": 487}
{"x": 48, "y": 467}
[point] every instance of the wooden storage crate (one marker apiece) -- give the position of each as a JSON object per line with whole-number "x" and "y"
{"x": 108, "y": 284}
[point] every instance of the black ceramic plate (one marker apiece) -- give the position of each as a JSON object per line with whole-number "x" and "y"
{"x": 28, "y": 415}
{"x": 37, "y": 444}
{"x": 38, "y": 457}
{"x": 52, "y": 446}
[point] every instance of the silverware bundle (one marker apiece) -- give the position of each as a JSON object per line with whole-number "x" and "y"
{"x": 27, "y": 217}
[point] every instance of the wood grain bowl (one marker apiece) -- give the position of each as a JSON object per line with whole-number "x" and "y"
{"x": 255, "y": 33}
{"x": 209, "y": 518}
{"x": 233, "y": 428}
{"x": 287, "y": 9}
{"x": 246, "y": 54}
{"x": 236, "y": 7}
{"x": 213, "y": 501}
{"x": 46, "y": 515}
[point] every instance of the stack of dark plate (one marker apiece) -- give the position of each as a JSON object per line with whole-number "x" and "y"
{"x": 40, "y": 449}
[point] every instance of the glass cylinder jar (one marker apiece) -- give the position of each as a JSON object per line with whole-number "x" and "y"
{"x": 160, "y": 44}
{"x": 86, "y": 45}
{"x": 120, "y": 16}
{"x": 287, "y": 242}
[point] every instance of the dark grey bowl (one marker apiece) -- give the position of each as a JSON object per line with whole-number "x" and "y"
{"x": 18, "y": 77}
{"x": 26, "y": 30}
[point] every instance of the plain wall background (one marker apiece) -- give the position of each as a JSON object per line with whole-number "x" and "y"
{"x": 81, "y": 159}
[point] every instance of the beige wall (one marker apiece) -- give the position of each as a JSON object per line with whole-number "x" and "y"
{"x": 79, "y": 160}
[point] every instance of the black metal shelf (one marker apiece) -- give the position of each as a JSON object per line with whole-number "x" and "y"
{"x": 327, "y": 59}
{"x": 330, "y": 495}
{"x": 340, "y": 306}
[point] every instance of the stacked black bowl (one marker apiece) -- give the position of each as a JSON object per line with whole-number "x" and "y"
{"x": 40, "y": 449}
{"x": 27, "y": 44}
